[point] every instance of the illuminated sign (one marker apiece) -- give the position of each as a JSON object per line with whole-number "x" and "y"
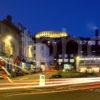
{"x": 67, "y": 66}
{"x": 89, "y": 60}
{"x": 42, "y": 80}
{"x": 92, "y": 58}
{"x": 51, "y": 34}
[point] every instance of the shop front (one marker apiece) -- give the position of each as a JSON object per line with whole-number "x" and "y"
{"x": 88, "y": 64}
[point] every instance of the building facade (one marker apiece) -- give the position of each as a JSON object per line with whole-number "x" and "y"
{"x": 10, "y": 38}
{"x": 16, "y": 43}
{"x": 42, "y": 55}
{"x": 65, "y": 48}
{"x": 27, "y": 44}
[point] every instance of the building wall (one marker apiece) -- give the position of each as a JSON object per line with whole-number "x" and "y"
{"x": 7, "y": 29}
{"x": 27, "y": 41}
{"x": 42, "y": 54}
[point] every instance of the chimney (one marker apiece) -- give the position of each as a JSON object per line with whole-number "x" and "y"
{"x": 9, "y": 18}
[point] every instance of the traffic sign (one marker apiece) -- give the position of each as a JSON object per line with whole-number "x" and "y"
{"x": 42, "y": 80}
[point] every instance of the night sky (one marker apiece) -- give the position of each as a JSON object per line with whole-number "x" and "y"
{"x": 77, "y": 17}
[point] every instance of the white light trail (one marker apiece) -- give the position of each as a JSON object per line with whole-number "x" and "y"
{"x": 52, "y": 83}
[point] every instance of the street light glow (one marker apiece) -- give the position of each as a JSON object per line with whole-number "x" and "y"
{"x": 30, "y": 51}
{"x": 9, "y": 37}
{"x": 77, "y": 58}
{"x": 8, "y": 45}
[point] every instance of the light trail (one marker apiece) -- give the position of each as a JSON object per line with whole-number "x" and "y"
{"x": 12, "y": 65}
{"x": 6, "y": 71}
{"x": 9, "y": 80}
{"x": 88, "y": 86}
{"x": 52, "y": 83}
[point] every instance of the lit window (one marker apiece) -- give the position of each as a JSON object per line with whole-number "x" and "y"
{"x": 30, "y": 51}
{"x": 66, "y": 55}
{"x": 99, "y": 42}
{"x": 91, "y": 42}
{"x": 65, "y": 60}
{"x": 71, "y": 55}
{"x": 71, "y": 60}
{"x": 60, "y": 56}
{"x": 60, "y": 60}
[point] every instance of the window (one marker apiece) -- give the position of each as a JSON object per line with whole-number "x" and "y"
{"x": 65, "y": 60}
{"x": 91, "y": 42}
{"x": 42, "y": 48}
{"x": 99, "y": 42}
{"x": 60, "y": 56}
{"x": 5, "y": 29}
{"x": 79, "y": 41}
{"x": 34, "y": 48}
{"x": 34, "y": 55}
{"x": 66, "y": 55}
{"x": 72, "y": 60}
{"x": 71, "y": 55}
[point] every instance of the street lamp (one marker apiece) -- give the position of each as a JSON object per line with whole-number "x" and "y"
{"x": 77, "y": 62}
{"x": 77, "y": 58}
{"x": 9, "y": 38}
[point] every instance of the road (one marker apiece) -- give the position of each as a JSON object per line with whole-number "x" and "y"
{"x": 50, "y": 83}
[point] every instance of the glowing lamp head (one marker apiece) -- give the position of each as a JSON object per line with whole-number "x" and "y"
{"x": 77, "y": 58}
{"x": 9, "y": 37}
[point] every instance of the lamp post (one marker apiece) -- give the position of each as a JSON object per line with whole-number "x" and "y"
{"x": 77, "y": 63}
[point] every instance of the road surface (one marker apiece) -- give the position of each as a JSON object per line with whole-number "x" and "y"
{"x": 49, "y": 83}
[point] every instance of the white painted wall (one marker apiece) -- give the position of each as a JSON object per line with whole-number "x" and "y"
{"x": 42, "y": 54}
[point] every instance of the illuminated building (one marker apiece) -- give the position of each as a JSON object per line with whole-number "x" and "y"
{"x": 15, "y": 42}
{"x": 51, "y": 39}
{"x": 10, "y": 38}
{"x": 27, "y": 45}
{"x": 59, "y": 46}
{"x": 88, "y": 64}
{"x": 42, "y": 54}
{"x": 73, "y": 47}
